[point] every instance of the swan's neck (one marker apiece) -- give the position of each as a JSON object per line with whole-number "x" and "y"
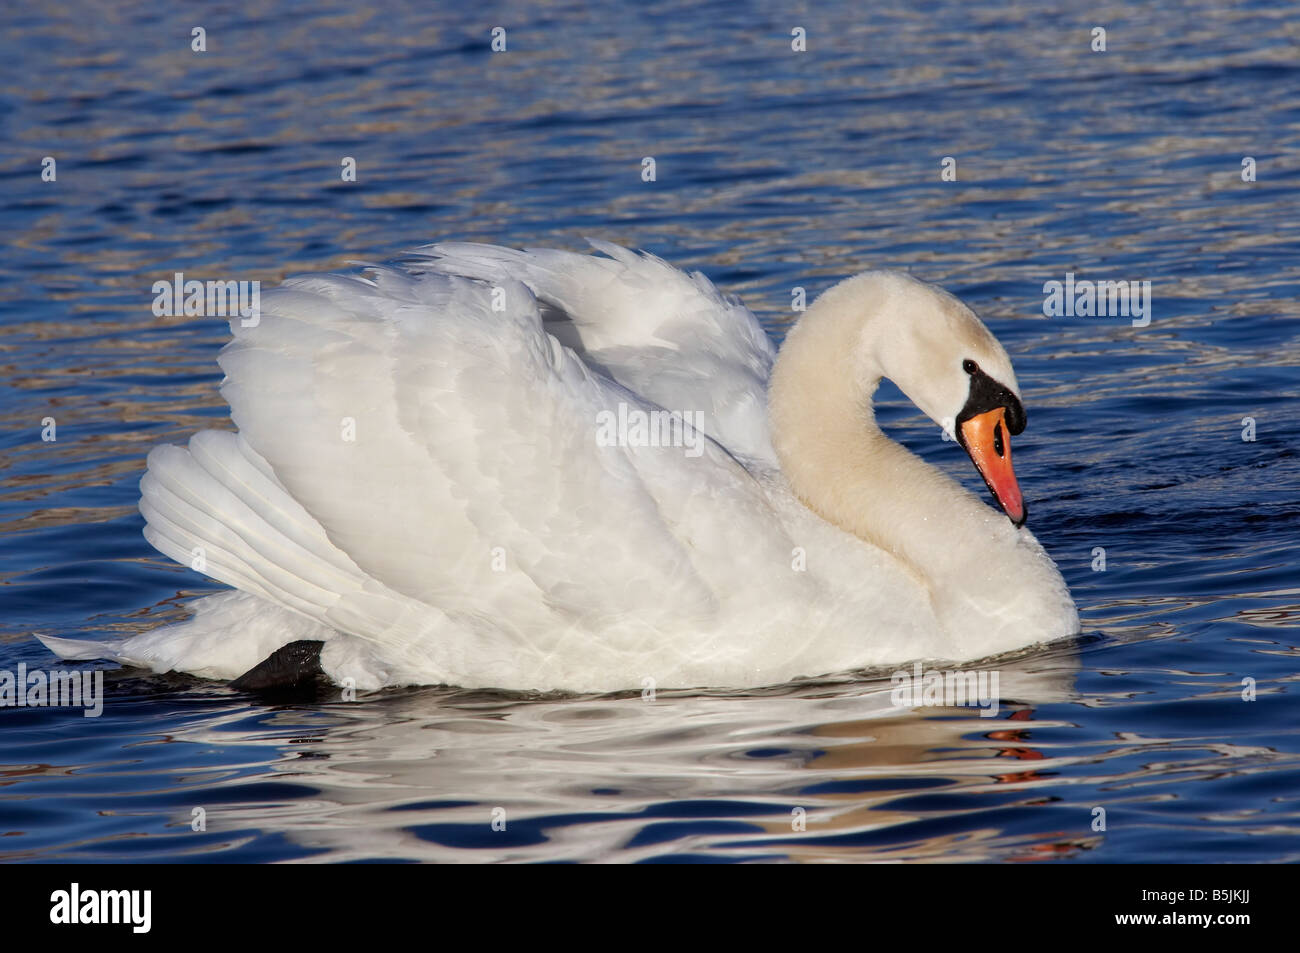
{"x": 841, "y": 465}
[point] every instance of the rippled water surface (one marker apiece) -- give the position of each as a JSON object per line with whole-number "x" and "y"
{"x": 775, "y": 169}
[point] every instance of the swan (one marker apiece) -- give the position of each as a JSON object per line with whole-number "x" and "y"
{"x": 547, "y": 470}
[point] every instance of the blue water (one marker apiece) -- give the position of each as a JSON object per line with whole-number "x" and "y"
{"x": 774, "y": 169}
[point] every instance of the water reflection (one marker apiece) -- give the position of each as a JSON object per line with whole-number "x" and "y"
{"x": 417, "y": 774}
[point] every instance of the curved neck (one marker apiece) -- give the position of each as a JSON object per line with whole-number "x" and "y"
{"x": 845, "y": 469}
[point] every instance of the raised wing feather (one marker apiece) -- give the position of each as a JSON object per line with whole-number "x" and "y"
{"x": 670, "y": 337}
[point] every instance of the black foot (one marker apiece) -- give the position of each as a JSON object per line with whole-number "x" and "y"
{"x": 294, "y": 668}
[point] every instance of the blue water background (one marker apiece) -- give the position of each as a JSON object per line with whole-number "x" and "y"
{"x": 775, "y": 169}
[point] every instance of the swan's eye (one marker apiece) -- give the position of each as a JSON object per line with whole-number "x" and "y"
{"x": 969, "y": 366}
{"x": 998, "y": 447}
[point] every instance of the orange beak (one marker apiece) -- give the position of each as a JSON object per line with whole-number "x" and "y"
{"x": 988, "y": 441}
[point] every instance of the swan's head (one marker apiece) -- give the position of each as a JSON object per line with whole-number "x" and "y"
{"x": 941, "y": 356}
{"x": 948, "y": 363}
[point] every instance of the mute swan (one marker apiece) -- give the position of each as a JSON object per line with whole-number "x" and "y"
{"x": 448, "y": 472}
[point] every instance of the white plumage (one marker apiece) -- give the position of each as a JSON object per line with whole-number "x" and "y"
{"x": 417, "y": 480}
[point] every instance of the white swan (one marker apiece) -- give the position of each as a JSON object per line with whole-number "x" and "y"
{"x": 422, "y": 480}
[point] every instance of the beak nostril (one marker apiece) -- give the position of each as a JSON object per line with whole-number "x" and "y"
{"x": 998, "y": 446}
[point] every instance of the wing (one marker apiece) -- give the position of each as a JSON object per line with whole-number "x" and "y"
{"x": 449, "y": 445}
{"x": 668, "y": 336}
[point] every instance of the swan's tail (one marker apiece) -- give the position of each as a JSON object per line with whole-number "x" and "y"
{"x": 217, "y": 507}
{"x": 228, "y": 634}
